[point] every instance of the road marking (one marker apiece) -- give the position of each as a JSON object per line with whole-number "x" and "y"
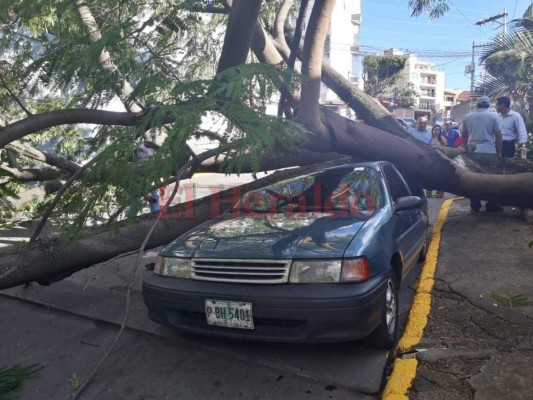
{"x": 404, "y": 369}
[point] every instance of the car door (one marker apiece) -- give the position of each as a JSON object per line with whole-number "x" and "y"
{"x": 409, "y": 225}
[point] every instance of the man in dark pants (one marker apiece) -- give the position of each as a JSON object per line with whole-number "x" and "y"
{"x": 482, "y": 129}
{"x": 513, "y": 127}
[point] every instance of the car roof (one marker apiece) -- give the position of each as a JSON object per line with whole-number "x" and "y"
{"x": 362, "y": 164}
{"x": 371, "y": 164}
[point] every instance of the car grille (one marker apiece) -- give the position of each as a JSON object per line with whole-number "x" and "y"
{"x": 242, "y": 271}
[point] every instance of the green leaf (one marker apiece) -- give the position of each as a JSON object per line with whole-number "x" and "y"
{"x": 510, "y": 300}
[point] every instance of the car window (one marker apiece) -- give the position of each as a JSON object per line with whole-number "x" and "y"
{"x": 395, "y": 182}
{"x": 360, "y": 189}
{"x": 334, "y": 189}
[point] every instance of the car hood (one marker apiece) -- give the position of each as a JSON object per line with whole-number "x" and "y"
{"x": 269, "y": 236}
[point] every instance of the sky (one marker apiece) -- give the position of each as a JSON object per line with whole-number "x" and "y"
{"x": 446, "y": 41}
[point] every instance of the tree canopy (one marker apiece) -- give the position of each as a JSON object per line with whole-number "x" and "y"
{"x": 381, "y": 72}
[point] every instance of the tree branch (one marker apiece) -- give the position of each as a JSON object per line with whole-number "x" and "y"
{"x": 239, "y": 32}
{"x": 293, "y": 51}
{"x": 12, "y": 94}
{"x": 35, "y": 123}
{"x": 313, "y": 51}
{"x": 105, "y": 59}
{"x": 279, "y": 23}
{"x": 32, "y": 174}
{"x": 50, "y": 159}
{"x": 366, "y": 107}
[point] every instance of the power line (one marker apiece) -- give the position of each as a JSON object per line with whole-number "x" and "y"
{"x": 460, "y": 12}
{"x": 429, "y": 52}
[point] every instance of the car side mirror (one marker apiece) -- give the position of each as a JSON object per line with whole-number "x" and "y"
{"x": 408, "y": 203}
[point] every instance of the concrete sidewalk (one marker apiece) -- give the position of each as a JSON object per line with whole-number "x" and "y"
{"x": 478, "y": 343}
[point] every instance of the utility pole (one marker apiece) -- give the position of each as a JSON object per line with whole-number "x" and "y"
{"x": 472, "y": 67}
{"x": 472, "y": 70}
{"x": 495, "y": 18}
{"x": 472, "y": 77}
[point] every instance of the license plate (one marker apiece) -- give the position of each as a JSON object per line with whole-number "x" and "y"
{"x": 231, "y": 314}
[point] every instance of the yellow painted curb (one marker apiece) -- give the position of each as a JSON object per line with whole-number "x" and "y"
{"x": 404, "y": 370}
{"x": 400, "y": 379}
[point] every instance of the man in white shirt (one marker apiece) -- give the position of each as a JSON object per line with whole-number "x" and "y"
{"x": 513, "y": 127}
{"x": 421, "y": 132}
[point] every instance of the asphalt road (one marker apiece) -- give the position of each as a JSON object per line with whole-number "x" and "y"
{"x": 66, "y": 328}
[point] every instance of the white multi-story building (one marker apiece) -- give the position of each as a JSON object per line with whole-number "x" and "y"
{"x": 342, "y": 44}
{"x": 428, "y": 82}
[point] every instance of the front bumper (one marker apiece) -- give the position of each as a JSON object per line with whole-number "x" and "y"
{"x": 281, "y": 313}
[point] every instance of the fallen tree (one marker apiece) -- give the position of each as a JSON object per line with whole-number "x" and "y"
{"x": 325, "y": 136}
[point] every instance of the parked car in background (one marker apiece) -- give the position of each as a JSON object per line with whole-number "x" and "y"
{"x": 440, "y": 122}
{"x": 317, "y": 258}
{"x": 407, "y": 122}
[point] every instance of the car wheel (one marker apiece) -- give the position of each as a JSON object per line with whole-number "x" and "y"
{"x": 384, "y": 335}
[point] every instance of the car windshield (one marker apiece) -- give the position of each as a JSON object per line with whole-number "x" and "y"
{"x": 356, "y": 189}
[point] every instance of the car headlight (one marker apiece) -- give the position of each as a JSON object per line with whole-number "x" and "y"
{"x": 328, "y": 271}
{"x": 315, "y": 271}
{"x": 172, "y": 266}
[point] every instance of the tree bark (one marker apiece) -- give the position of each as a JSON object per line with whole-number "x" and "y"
{"x": 240, "y": 30}
{"x": 125, "y": 90}
{"x": 315, "y": 38}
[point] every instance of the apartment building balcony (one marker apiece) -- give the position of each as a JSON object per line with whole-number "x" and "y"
{"x": 427, "y": 94}
{"x": 428, "y": 80}
{"x": 425, "y": 105}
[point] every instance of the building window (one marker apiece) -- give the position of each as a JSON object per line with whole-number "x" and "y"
{"x": 425, "y": 105}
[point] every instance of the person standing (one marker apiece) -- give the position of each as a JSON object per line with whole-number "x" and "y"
{"x": 153, "y": 200}
{"x": 420, "y": 131}
{"x": 148, "y": 147}
{"x": 513, "y": 127}
{"x": 436, "y": 141}
{"x": 482, "y": 131}
{"x": 452, "y": 137}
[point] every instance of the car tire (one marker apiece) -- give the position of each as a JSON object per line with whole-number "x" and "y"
{"x": 384, "y": 336}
